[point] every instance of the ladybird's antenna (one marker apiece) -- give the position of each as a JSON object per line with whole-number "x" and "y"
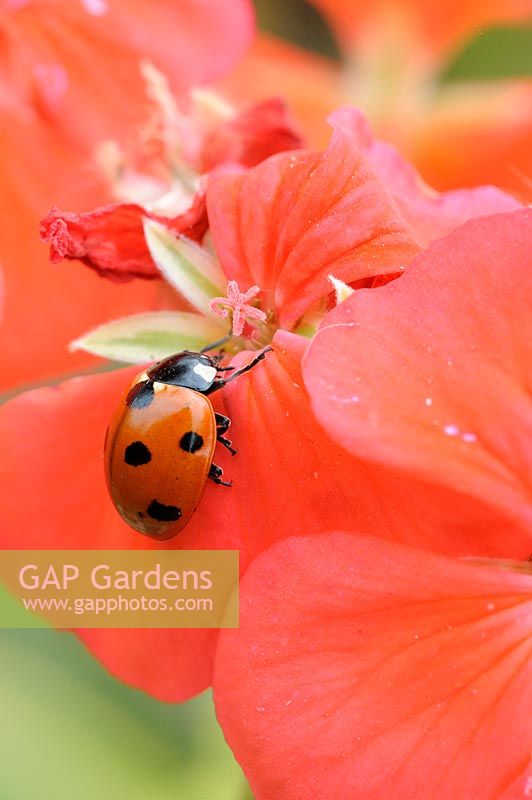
{"x": 216, "y": 344}
{"x": 219, "y": 383}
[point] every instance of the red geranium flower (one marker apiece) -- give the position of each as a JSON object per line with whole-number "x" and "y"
{"x": 366, "y": 668}
{"x": 69, "y": 78}
{"x": 455, "y": 371}
{"x": 357, "y": 211}
{"x": 168, "y": 160}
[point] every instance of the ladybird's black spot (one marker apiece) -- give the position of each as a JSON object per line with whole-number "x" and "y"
{"x": 140, "y": 395}
{"x": 136, "y": 454}
{"x": 191, "y": 442}
{"x": 163, "y": 513}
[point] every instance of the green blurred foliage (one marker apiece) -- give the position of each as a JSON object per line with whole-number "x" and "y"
{"x": 70, "y": 730}
{"x": 299, "y": 22}
{"x": 494, "y": 54}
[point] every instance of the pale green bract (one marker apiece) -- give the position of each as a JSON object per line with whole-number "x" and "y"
{"x": 341, "y": 289}
{"x": 189, "y": 268}
{"x": 151, "y": 336}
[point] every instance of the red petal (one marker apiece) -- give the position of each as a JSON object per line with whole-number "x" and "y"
{"x": 290, "y": 478}
{"x": 288, "y": 223}
{"x": 273, "y": 64}
{"x": 111, "y": 239}
{"x": 430, "y": 213}
{"x": 172, "y": 665}
{"x": 356, "y": 211}
{"x": 365, "y": 669}
{"x": 79, "y": 71}
{"x": 431, "y": 372}
{"x": 252, "y": 136}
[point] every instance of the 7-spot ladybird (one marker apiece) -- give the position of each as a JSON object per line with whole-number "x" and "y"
{"x": 160, "y": 443}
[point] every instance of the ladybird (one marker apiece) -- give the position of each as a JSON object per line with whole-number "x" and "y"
{"x": 161, "y": 440}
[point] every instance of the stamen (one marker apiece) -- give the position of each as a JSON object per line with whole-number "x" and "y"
{"x": 237, "y": 304}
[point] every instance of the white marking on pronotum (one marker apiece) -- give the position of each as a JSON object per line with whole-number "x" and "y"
{"x": 205, "y": 371}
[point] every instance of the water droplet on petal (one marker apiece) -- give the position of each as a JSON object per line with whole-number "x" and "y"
{"x": 98, "y": 8}
{"x": 451, "y": 430}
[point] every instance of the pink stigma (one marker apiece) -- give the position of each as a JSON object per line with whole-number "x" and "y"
{"x": 237, "y": 304}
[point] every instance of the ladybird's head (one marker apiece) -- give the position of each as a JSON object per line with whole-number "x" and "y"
{"x": 188, "y": 369}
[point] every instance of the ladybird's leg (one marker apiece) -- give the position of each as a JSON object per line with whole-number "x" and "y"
{"x": 222, "y": 424}
{"x": 220, "y": 382}
{"x": 215, "y": 474}
{"x": 227, "y": 444}
{"x": 217, "y": 359}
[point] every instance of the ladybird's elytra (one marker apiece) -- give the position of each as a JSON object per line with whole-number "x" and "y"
{"x": 161, "y": 439}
